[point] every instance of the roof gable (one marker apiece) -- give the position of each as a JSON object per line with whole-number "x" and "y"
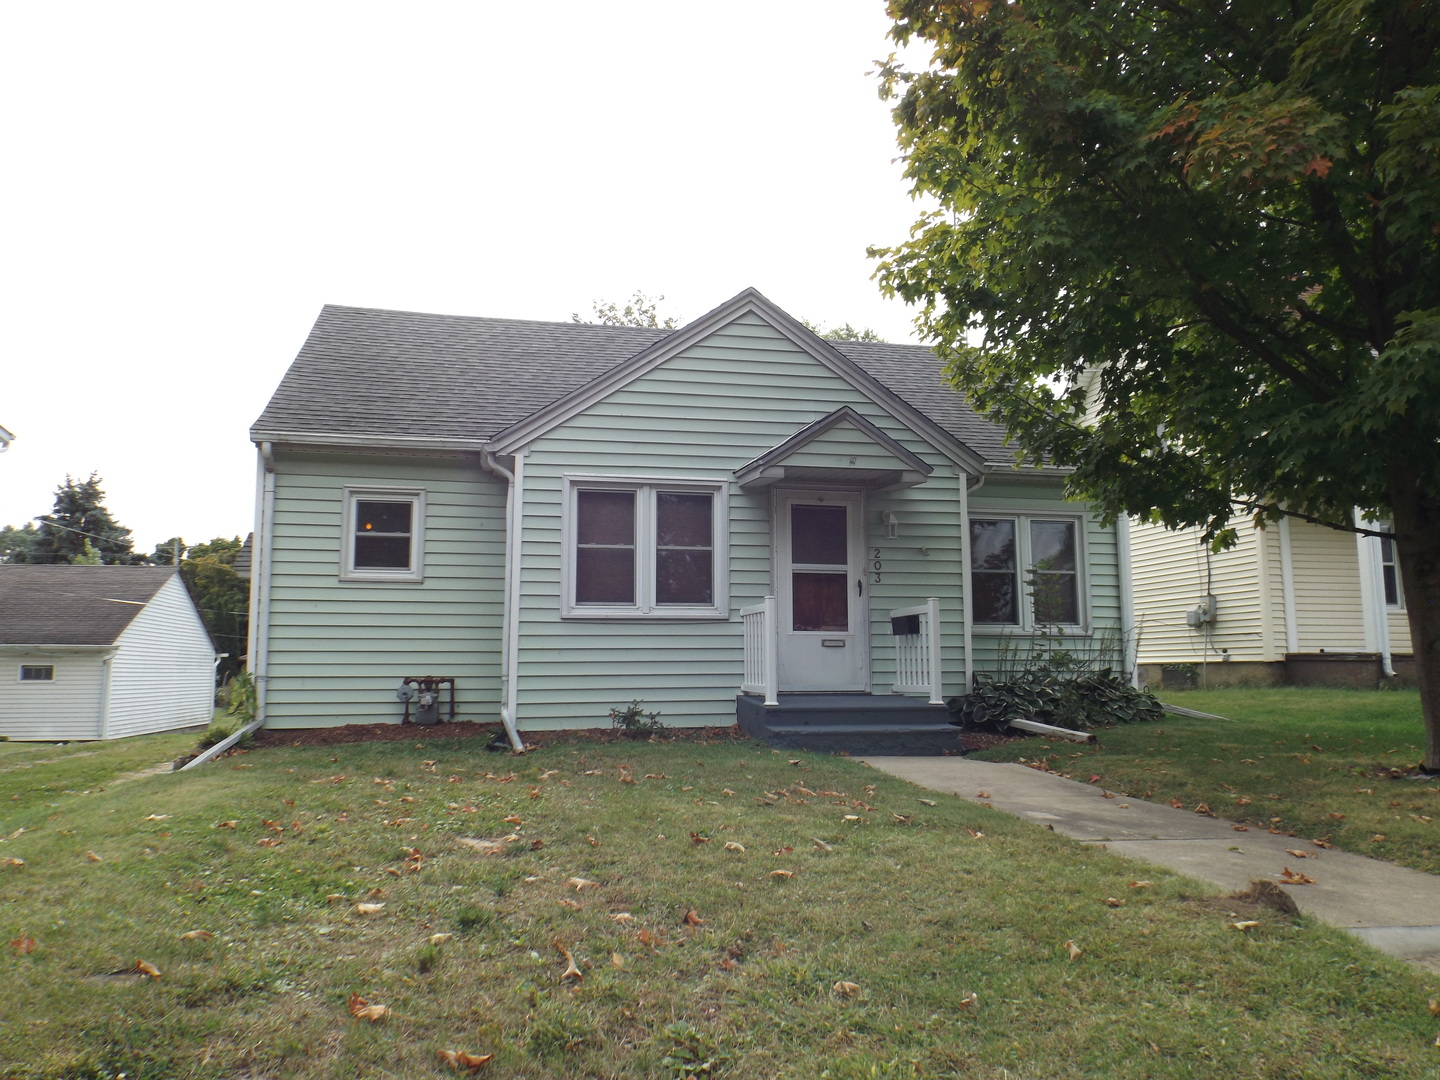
{"x": 842, "y": 447}
{"x": 747, "y": 303}
{"x": 42, "y": 604}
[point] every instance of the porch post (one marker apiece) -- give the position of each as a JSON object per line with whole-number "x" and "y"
{"x": 772, "y": 652}
{"x": 932, "y": 626}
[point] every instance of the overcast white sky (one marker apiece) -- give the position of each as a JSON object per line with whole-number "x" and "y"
{"x": 188, "y": 183}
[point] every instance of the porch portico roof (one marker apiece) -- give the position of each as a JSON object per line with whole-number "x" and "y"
{"x": 825, "y": 452}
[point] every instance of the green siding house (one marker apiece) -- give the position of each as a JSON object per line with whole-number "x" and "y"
{"x": 563, "y": 517}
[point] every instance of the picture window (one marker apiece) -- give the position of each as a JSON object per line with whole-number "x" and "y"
{"x": 1025, "y": 572}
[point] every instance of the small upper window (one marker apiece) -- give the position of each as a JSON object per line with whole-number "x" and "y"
{"x": 37, "y": 672}
{"x": 384, "y": 535}
{"x": 1390, "y": 571}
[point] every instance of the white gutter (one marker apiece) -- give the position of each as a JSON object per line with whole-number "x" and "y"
{"x": 385, "y": 442}
{"x": 1287, "y": 583}
{"x": 510, "y": 624}
{"x": 967, "y": 602}
{"x": 259, "y": 643}
{"x": 1129, "y": 635}
{"x": 223, "y": 745}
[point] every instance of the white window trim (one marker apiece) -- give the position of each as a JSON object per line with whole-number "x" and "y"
{"x": 1399, "y": 604}
{"x": 645, "y": 608}
{"x": 20, "y": 675}
{"x": 416, "y": 570}
{"x": 1021, "y": 520}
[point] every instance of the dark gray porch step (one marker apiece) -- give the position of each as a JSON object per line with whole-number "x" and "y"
{"x": 850, "y": 723}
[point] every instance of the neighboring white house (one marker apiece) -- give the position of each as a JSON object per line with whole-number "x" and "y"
{"x": 100, "y": 652}
{"x": 1293, "y": 603}
{"x": 5, "y": 440}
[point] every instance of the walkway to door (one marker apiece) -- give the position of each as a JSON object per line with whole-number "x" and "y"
{"x": 1394, "y": 908}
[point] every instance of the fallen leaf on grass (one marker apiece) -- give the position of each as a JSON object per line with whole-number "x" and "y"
{"x": 10, "y": 860}
{"x": 1378, "y": 838}
{"x": 362, "y": 1010}
{"x": 157, "y": 817}
{"x": 851, "y": 817}
{"x": 903, "y": 819}
{"x": 821, "y": 844}
{"x": 197, "y": 935}
{"x": 969, "y": 1001}
{"x": 23, "y": 944}
{"x": 268, "y": 841}
{"x": 1141, "y": 884}
{"x": 782, "y": 874}
{"x": 692, "y": 919}
{"x": 459, "y": 1059}
{"x": 1075, "y": 951}
{"x": 370, "y": 909}
{"x": 616, "y": 960}
{"x": 846, "y": 989}
{"x": 976, "y": 833}
{"x": 1111, "y": 901}
{"x": 696, "y": 838}
{"x": 572, "y": 904}
{"x": 1290, "y": 877}
{"x": 622, "y": 917}
{"x": 731, "y": 845}
{"x": 144, "y": 967}
{"x": 93, "y": 857}
{"x": 726, "y": 791}
{"x": 334, "y": 896}
{"x": 926, "y": 802}
{"x": 513, "y": 819}
{"x": 1177, "y": 804}
{"x": 440, "y": 939}
{"x": 571, "y": 971}
{"x": 1246, "y": 924}
{"x": 578, "y": 883}
{"x": 1242, "y": 801}
{"x": 1336, "y": 817}
{"x": 1434, "y": 1007}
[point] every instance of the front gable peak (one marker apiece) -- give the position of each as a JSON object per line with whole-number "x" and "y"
{"x": 842, "y": 448}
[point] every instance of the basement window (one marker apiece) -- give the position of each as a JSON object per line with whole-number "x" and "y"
{"x": 384, "y": 535}
{"x": 37, "y": 672}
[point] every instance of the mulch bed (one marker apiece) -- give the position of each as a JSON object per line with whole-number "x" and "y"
{"x": 361, "y": 733}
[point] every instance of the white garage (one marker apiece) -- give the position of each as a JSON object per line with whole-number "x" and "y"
{"x": 100, "y": 652}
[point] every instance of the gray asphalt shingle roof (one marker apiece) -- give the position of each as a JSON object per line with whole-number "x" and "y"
{"x": 398, "y": 374}
{"x": 73, "y": 605}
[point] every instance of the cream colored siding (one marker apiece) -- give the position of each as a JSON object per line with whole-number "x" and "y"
{"x": 1399, "y": 624}
{"x": 163, "y": 676}
{"x": 338, "y": 649}
{"x": 703, "y": 414}
{"x": 1174, "y": 570}
{"x": 1328, "y": 610}
{"x": 67, "y": 708}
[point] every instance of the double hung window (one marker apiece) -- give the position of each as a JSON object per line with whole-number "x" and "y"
{"x": 1390, "y": 572}
{"x": 384, "y": 535}
{"x": 645, "y": 548}
{"x": 1025, "y": 571}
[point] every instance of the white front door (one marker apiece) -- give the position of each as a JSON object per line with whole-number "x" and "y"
{"x": 821, "y": 589}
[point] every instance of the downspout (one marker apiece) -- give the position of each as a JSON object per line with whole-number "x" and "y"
{"x": 1129, "y": 635}
{"x": 967, "y": 604}
{"x": 510, "y": 609}
{"x": 260, "y": 596}
{"x": 1372, "y": 596}
{"x": 1287, "y": 583}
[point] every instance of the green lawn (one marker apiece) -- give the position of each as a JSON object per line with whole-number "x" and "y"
{"x": 917, "y": 905}
{"x": 1334, "y": 765}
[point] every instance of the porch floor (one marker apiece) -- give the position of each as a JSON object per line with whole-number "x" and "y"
{"x": 857, "y": 724}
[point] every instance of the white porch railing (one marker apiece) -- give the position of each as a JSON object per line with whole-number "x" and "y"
{"x": 762, "y": 650}
{"x": 917, "y": 655}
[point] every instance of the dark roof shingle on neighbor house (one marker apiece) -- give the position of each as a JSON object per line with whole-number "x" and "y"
{"x": 42, "y": 604}
{"x": 406, "y": 375}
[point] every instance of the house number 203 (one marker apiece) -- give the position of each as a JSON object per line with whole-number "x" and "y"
{"x": 875, "y": 567}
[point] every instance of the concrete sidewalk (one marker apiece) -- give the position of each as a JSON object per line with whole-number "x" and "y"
{"x": 1393, "y": 908}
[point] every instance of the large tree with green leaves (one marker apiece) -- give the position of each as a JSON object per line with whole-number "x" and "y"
{"x": 1192, "y": 248}
{"x": 80, "y": 516}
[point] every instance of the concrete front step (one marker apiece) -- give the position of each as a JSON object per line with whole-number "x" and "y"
{"x": 851, "y": 723}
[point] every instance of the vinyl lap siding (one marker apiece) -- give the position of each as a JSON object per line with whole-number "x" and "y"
{"x": 68, "y": 708}
{"x": 995, "y": 648}
{"x": 339, "y": 649}
{"x": 704, "y": 413}
{"x": 1328, "y": 610}
{"x": 163, "y": 676}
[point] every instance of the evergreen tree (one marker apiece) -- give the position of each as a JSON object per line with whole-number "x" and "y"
{"x": 16, "y": 544}
{"x": 80, "y": 515}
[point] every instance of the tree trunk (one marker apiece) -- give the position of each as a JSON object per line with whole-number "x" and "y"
{"x": 1415, "y": 517}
